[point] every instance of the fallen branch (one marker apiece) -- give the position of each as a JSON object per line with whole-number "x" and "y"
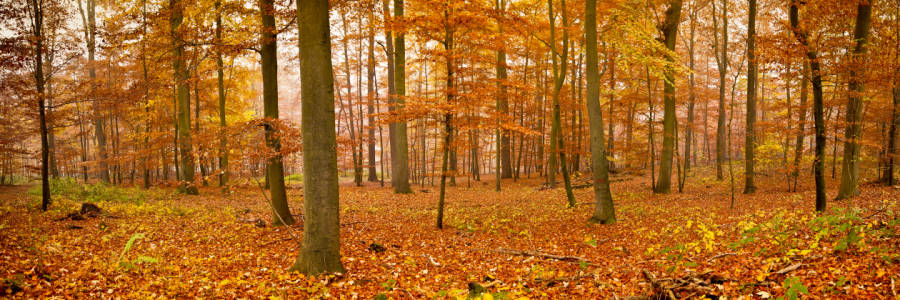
{"x": 789, "y": 269}
{"x": 720, "y": 256}
{"x": 535, "y": 254}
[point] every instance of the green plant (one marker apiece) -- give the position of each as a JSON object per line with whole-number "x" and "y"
{"x": 133, "y": 264}
{"x": 793, "y": 288}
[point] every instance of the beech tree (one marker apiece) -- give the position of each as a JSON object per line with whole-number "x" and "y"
{"x": 320, "y": 250}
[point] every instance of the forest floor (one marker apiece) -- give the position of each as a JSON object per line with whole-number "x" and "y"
{"x": 522, "y": 241}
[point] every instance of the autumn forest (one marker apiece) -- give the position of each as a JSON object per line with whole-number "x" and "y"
{"x": 452, "y": 149}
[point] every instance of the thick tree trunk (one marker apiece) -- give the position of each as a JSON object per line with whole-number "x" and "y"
{"x": 852, "y": 134}
{"x": 184, "y": 101}
{"x": 320, "y": 249}
{"x": 670, "y": 32}
{"x": 604, "y": 211}
{"x": 400, "y": 162}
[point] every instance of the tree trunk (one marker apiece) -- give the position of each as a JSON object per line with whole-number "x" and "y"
{"x": 184, "y": 101}
{"x": 274, "y": 167}
{"x": 320, "y": 249}
{"x": 37, "y": 20}
{"x": 801, "y": 125}
{"x": 670, "y": 31}
{"x": 604, "y": 211}
{"x": 852, "y": 134}
{"x": 89, "y": 35}
{"x": 400, "y": 162}
{"x": 750, "y": 135}
{"x": 818, "y": 107}
{"x": 220, "y": 76}
{"x": 559, "y": 78}
{"x": 723, "y": 70}
{"x": 370, "y": 66}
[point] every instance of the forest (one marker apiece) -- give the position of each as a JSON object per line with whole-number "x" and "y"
{"x": 451, "y": 149}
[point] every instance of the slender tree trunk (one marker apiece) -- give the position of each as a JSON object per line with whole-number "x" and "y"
{"x": 559, "y": 78}
{"x": 722, "y": 63}
{"x": 853, "y": 133}
{"x": 37, "y": 20}
{"x": 750, "y": 136}
{"x": 89, "y": 35}
{"x": 320, "y": 249}
{"x": 604, "y": 211}
{"x": 448, "y": 119}
{"x": 370, "y": 65}
{"x": 220, "y": 77}
{"x": 274, "y": 167}
{"x": 503, "y": 106}
{"x": 818, "y": 107}
{"x": 801, "y": 125}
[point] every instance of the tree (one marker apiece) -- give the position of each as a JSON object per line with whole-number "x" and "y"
{"x": 320, "y": 250}
{"x": 90, "y": 31}
{"x": 750, "y": 137}
{"x": 818, "y": 104}
{"x": 604, "y": 211}
{"x": 559, "y": 78}
{"x": 36, "y": 22}
{"x": 503, "y": 106}
{"x": 669, "y": 30}
{"x": 220, "y": 87}
{"x": 275, "y": 167}
{"x": 722, "y": 63}
{"x": 852, "y": 134}
{"x": 183, "y": 98}
{"x": 400, "y": 162}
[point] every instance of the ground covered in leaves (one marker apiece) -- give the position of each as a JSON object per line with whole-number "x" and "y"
{"x": 519, "y": 243}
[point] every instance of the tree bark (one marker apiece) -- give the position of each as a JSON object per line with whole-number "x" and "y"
{"x": 818, "y": 106}
{"x": 750, "y": 135}
{"x": 400, "y": 162}
{"x": 183, "y": 100}
{"x": 723, "y": 70}
{"x": 268, "y": 53}
{"x": 220, "y": 77}
{"x": 670, "y": 31}
{"x": 604, "y": 211}
{"x": 320, "y": 249}
{"x": 853, "y": 133}
{"x": 559, "y": 78}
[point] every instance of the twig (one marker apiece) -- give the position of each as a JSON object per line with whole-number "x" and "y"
{"x": 289, "y": 229}
{"x": 720, "y": 256}
{"x": 789, "y": 269}
{"x": 536, "y": 254}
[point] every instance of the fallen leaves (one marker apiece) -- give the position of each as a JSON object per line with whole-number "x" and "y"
{"x": 532, "y": 244}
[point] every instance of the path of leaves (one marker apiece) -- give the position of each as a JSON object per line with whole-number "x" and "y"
{"x": 200, "y": 247}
